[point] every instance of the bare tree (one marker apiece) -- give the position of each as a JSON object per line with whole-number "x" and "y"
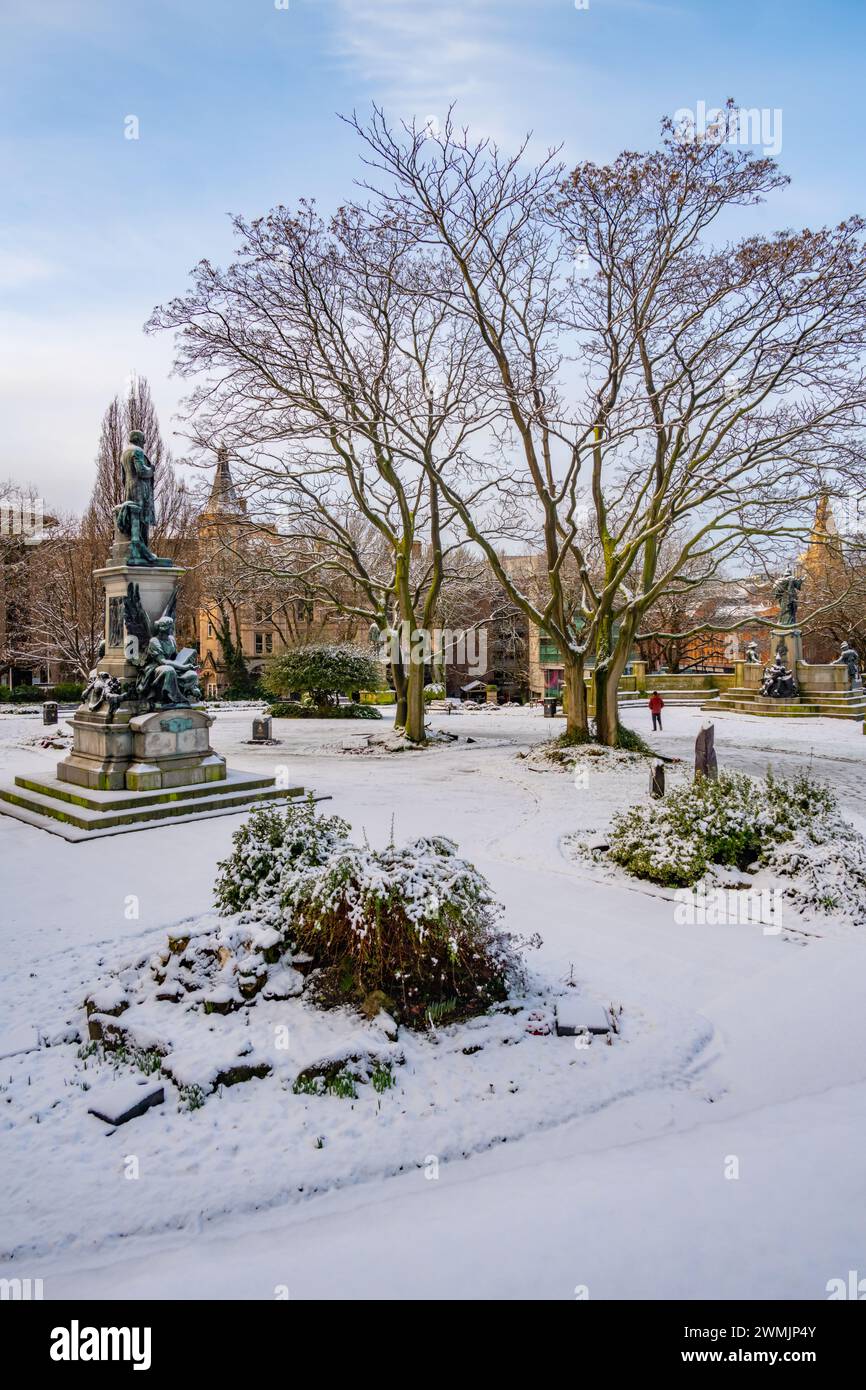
{"x": 718, "y": 385}
{"x": 344, "y": 394}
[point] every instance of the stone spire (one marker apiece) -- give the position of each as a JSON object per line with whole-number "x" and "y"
{"x": 223, "y": 496}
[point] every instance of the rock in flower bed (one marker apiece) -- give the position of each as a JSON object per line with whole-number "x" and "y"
{"x": 791, "y": 827}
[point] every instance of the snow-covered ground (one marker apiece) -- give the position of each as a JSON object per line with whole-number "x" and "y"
{"x": 528, "y": 1168}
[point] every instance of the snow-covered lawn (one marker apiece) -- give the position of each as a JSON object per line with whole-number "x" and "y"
{"x": 530, "y": 1166}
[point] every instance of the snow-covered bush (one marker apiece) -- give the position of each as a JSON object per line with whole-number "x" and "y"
{"x": 824, "y": 861}
{"x": 322, "y": 671}
{"x": 414, "y": 922}
{"x": 403, "y": 928}
{"x": 269, "y": 843}
{"x": 735, "y": 820}
{"x": 434, "y": 690}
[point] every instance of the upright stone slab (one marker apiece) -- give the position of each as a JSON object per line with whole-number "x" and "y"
{"x": 706, "y": 763}
{"x": 657, "y": 779}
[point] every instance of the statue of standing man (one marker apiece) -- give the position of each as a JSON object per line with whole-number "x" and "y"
{"x": 787, "y": 591}
{"x": 136, "y": 513}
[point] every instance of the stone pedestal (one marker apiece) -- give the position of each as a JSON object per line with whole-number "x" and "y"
{"x": 136, "y": 749}
{"x": 156, "y": 584}
{"x": 789, "y": 641}
{"x": 140, "y": 751}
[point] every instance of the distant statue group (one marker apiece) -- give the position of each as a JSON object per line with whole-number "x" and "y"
{"x": 779, "y": 681}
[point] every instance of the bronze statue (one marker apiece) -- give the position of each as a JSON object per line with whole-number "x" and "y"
{"x": 102, "y": 688}
{"x": 779, "y": 681}
{"x": 165, "y": 677}
{"x": 136, "y": 513}
{"x": 848, "y": 657}
{"x": 787, "y": 591}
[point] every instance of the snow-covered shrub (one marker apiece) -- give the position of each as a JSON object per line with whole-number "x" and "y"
{"x": 434, "y": 690}
{"x": 824, "y": 860}
{"x": 269, "y": 843}
{"x": 415, "y": 922}
{"x": 322, "y": 671}
{"x": 735, "y": 820}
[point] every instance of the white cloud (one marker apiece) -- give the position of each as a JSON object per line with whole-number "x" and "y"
{"x": 21, "y": 268}
{"x": 418, "y": 57}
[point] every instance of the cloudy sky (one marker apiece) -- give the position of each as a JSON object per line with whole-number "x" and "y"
{"x": 235, "y": 107}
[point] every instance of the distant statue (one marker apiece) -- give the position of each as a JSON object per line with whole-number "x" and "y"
{"x": 778, "y": 681}
{"x": 136, "y": 513}
{"x": 848, "y": 657}
{"x": 787, "y": 591}
{"x": 165, "y": 676}
{"x": 752, "y": 657}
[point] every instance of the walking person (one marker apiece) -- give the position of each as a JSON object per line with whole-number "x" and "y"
{"x": 656, "y": 704}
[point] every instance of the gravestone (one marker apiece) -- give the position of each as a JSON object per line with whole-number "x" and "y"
{"x": 706, "y": 764}
{"x": 49, "y": 712}
{"x": 262, "y": 730}
{"x": 657, "y": 779}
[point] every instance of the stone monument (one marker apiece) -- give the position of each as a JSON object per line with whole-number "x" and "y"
{"x": 141, "y": 737}
{"x": 123, "y": 736}
{"x": 790, "y": 686}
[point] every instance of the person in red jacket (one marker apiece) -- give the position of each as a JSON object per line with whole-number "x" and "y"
{"x": 656, "y": 704}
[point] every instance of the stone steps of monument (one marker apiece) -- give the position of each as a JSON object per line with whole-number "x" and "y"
{"x": 47, "y": 804}
{"x": 794, "y": 709}
{"x": 91, "y": 800}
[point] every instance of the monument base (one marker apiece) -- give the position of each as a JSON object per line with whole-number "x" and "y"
{"x": 825, "y": 691}
{"x": 139, "y": 750}
{"x": 78, "y": 813}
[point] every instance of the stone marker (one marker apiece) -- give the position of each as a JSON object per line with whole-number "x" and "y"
{"x": 262, "y": 730}
{"x": 121, "y": 1101}
{"x": 706, "y": 764}
{"x": 49, "y": 712}
{"x": 657, "y": 779}
{"x": 576, "y": 1015}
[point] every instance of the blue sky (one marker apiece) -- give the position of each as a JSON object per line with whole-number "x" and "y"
{"x": 236, "y": 102}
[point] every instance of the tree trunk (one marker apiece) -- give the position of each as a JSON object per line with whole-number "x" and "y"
{"x": 574, "y": 698}
{"x": 398, "y": 672}
{"x": 608, "y": 669}
{"x": 415, "y": 703}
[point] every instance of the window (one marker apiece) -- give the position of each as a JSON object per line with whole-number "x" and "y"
{"x": 209, "y": 628}
{"x": 260, "y": 643}
{"x": 269, "y": 641}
